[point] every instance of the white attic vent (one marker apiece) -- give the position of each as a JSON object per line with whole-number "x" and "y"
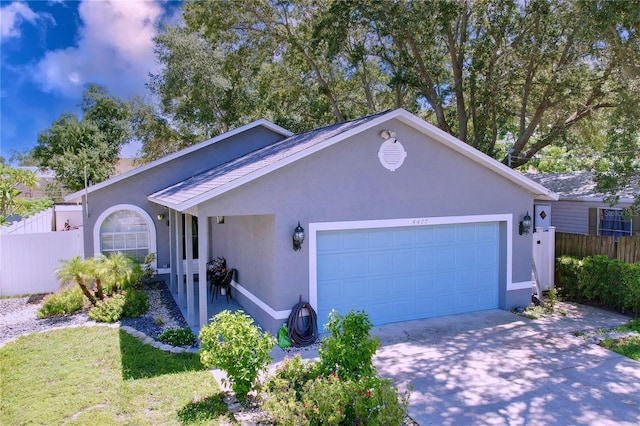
{"x": 391, "y": 154}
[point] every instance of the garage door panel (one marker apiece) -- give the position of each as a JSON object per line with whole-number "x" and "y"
{"x": 397, "y": 274}
{"x": 401, "y": 261}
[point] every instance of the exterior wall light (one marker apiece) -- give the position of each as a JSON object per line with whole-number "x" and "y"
{"x": 160, "y": 216}
{"x": 219, "y": 220}
{"x": 298, "y": 237}
{"x": 525, "y": 224}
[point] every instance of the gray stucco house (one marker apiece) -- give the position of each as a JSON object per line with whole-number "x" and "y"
{"x": 401, "y": 219}
{"x": 580, "y": 209}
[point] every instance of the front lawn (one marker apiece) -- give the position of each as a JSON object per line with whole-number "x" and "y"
{"x": 99, "y": 375}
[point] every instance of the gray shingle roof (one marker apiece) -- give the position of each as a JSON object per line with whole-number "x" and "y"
{"x": 574, "y": 185}
{"x": 255, "y": 161}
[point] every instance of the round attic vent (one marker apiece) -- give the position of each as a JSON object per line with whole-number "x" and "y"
{"x": 391, "y": 154}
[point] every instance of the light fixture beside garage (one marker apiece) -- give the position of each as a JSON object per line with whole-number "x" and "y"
{"x": 525, "y": 224}
{"x": 298, "y": 237}
{"x": 391, "y": 152}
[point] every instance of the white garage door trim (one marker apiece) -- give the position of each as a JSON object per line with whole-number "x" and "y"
{"x": 314, "y": 228}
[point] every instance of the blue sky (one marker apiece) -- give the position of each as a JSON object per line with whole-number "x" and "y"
{"x": 50, "y": 49}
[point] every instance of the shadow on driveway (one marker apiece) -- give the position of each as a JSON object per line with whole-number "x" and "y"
{"x": 495, "y": 367}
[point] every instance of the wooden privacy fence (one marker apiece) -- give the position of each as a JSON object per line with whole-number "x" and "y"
{"x": 626, "y": 249}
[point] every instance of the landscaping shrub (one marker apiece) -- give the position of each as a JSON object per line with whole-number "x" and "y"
{"x": 65, "y": 301}
{"x": 631, "y": 281}
{"x": 178, "y": 337}
{"x": 348, "y": 352}
{"x": 136, "y": 303}
{"x": 600, "y": 281}
{"x": 301, "y": 392}
{"x": 129, "y": 304}
{"x": 108, "y": 310}
{"x": 235, "y": 345}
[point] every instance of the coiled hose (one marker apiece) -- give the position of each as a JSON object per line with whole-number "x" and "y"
{"x": 302, "y": 332}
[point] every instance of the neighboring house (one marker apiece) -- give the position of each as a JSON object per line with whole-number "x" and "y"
{"x": 401, "y": 219}
{"x": 580, "y": 209}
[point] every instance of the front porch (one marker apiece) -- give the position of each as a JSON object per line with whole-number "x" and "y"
{"x": 213, "y": 307}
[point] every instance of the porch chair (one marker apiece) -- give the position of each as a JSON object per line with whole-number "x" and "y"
{"x": 216, "y": 271}
{"x": 225, "y": 284}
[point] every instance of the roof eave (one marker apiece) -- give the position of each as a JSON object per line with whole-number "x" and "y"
{"x": 261, "y": 122}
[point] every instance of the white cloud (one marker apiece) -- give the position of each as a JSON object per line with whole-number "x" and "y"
{"x": 13, "y": 15}
{"x": 114, "y": 49}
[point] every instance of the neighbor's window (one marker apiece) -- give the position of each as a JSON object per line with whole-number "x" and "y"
{"x": 125, "y": 231}
{"x": 612, "y": 222}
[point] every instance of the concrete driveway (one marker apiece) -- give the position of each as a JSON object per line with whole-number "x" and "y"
{"x": 498, "y": 368}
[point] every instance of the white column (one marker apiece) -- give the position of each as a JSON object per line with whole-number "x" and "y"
{"x": 179, "y": 256}
{"x": 172, "y": 252}
{"x": 188, "y": 244}
{"x": 203, "y": 256}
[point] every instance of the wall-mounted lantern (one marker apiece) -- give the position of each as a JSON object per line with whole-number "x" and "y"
{"x": 219, "y": 220}
{"x": 160, "y": 216}
{"x": 525, "y": 224}
{"x": 298, "y": 237}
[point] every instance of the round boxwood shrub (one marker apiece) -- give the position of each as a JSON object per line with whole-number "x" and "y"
{"x": 178, "y": 337}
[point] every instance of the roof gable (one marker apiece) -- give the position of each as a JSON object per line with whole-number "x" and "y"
{"x": 577, "y": 186}
{"x": 258, "y": 123}
{"x": 221, "y": 179}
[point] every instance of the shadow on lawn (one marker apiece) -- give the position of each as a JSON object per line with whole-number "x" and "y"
{"x": 208, "y": 408}
{"x": 140, "y": 361}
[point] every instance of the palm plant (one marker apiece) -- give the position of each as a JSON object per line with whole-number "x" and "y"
{"x": 93, "y": 269}
{"x": 117, "y": 270}
{"x": 77, "y": 271}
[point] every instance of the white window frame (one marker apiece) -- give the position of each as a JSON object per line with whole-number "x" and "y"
{"x": 598, "y": 220}
{"x": 105, "y": 214}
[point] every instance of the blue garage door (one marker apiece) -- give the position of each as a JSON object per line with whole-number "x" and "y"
{"x": 400, "y": 274}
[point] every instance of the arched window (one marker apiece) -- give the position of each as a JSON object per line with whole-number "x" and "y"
{"x": 126, "y": 229}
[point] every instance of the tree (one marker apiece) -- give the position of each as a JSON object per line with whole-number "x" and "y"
{"x": 10, "y": 181}
{"x": 82, "y": 151}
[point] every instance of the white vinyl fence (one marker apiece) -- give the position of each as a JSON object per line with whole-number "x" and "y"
{"x": 39, "y": 222}
{"x": 28, "y": 261}
{"x": 544, "y": 256}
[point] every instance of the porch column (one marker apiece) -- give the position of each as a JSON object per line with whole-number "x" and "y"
{"x": 172, "y": 251}
{"x": 188, "y": 244}
{"x": 203, "y": 256}
{"x": 179, "y": 256}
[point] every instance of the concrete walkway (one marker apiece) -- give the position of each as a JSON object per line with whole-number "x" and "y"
{"x": 498, "y": 368}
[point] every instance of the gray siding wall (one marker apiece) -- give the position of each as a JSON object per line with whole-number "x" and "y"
{"x": 135, "y": 189}
{"x": 572, "y": 217}
{"x": 346, "y": 182}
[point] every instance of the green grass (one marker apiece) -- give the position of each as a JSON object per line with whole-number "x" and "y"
{"x": 628, "y": 346}
{"x": 99, "y": 375}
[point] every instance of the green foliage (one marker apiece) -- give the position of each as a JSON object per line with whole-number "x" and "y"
{"x": 332, "y": 399}
{"x": 600, "y": 281}
{"x": 10, "y": 180}
{"x": 178, "y": 337}
{"x": 29, "y": 207}
{"x": 65, "y": 301}
{"x": 108, "y": 310}
{"x": 235, "y": 345}
{"x": 348, "y": 352}
{"x": 292, "y": 375}
{"x": 129, "y": 304}
{"x": 88, "y": 147}
{"x": 136, "y": 303}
